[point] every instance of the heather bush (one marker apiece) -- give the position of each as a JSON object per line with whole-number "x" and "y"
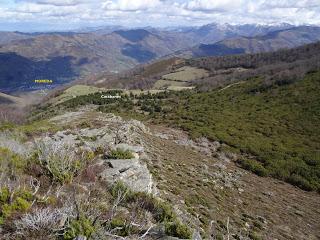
{"x": 120, "y": 154}
{"x": 60, "y": 161}
{"x": 13, "y": 201}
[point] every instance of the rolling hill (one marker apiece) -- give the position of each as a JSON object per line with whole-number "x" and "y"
{"x": 271, "y": 41}
{"x": 268, "y": 116}
{"x": 7, "y": 37}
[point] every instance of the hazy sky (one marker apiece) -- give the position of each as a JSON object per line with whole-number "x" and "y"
{"x": 35, "y": 15}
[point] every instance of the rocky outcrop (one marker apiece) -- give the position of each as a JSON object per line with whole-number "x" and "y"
{"x": 115, "y": 133}
{"x": 131, "y": 172}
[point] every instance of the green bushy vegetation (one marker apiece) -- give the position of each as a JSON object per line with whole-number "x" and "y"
{"x": 94, "y": 98}
{"x": 11, "y": 164}
{"x": 124, "y": 230}
{"x": 278, "y": 125}
{"x": 132, "y": 102}
{"x": 79, "y": 227}
{"x": 11, "y": 203}
{"x": 120, "y": 154}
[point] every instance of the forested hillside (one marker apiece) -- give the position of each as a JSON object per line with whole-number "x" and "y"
{"x": 280, "y": 66}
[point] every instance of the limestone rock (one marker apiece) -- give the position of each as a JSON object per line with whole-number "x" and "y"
{"x": 133, "y": 173}
{"x": 125, "y": 147}
{"x": 80, "y": 238}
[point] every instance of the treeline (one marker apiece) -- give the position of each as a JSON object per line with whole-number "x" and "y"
{"x": 94, "y": 98}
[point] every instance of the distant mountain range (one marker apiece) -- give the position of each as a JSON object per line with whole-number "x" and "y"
{"x": 65, "y": 56}
{"x": 272, "y": 41}
{"x": 7, "y": 37}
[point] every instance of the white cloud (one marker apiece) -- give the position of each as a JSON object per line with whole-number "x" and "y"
{"x": 41, "y": 11}
{"x": 162, "y": 12}
{"x": 55, "y": 2}
{"x": 291, "y": 4}
{"x": 213, "y": 5}
{"x": 130, "y": 5}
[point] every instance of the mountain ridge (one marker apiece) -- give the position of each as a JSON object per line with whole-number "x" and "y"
{"x": 272, "y": 41}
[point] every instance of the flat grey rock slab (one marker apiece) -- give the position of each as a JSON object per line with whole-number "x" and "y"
{"x": 131, "y": 172}
{"x": 125, "y": 147}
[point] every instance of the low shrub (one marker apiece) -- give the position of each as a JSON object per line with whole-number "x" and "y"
{"x": 41, "y": 222}
{"x": 120, "y": 154}
{"x": 161, "y": 211}
{"x": 300, "y": 182}
{"x": 177, "y": 229}
{"x": 120, "y": 227}
{"x": 79, "y": 227}
{"x": 11, "y": 164}
{"x": 14, "y": 201}
{"x": 38, "y": 127}
{"x": 60, "y": 161}
{"x": 254, "y": 236}
{"x": 254, "y": 166}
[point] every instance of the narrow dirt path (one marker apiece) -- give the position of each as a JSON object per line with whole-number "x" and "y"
{"x": 230, "y": 86}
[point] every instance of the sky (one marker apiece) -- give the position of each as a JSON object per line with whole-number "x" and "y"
{"x": 51, "y": 15}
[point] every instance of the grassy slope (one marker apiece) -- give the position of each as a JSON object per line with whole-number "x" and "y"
{"x": 75, "y": 91}
{"x": 279, "y": 125}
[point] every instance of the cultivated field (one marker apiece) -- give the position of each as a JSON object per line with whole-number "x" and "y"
{"x": 160, "y": 84}
{"x": 76, "y": 91}
{"x": 181, "y": 78}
